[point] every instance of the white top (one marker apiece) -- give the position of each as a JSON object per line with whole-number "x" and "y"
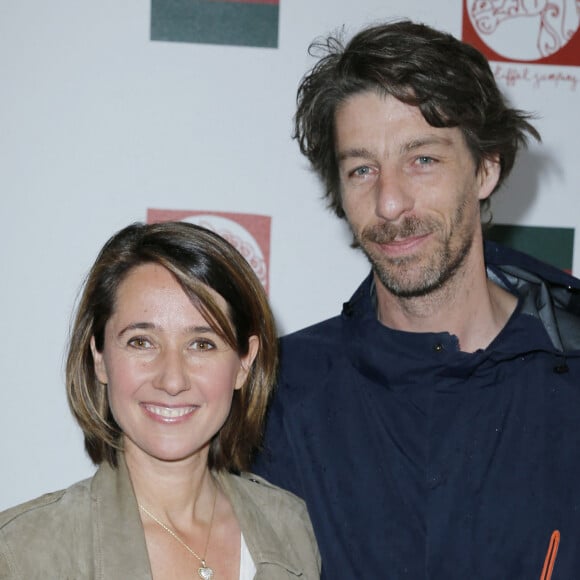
{"x": 247, "y": 566}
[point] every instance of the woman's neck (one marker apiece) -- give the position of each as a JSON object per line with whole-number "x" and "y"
{"x": 172, "y": 489}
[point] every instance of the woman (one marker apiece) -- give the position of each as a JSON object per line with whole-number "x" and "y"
{"x": 170, "y": 366}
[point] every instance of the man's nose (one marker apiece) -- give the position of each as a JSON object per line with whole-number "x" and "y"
{"x": 392, "y": 197}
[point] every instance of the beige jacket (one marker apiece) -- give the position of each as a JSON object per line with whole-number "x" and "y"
{"x": 92, "y": 530}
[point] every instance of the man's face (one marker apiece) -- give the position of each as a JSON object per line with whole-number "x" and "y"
{"x": 410, "y": 192}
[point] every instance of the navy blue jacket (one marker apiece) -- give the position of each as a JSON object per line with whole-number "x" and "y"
{"x": 419, "y": 461}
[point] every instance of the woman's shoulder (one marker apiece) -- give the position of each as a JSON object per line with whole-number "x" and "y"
{"x": 47, "y": 511}
{"x": 260, "y": 500}
{"x": 41, "y": 534}
{"x": 264, "y": 491}
{"x": 275, "y": 523}
{"x": 29, "y": 507}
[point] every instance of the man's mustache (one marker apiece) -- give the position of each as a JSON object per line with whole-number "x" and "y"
{"x": 386, "y": 233}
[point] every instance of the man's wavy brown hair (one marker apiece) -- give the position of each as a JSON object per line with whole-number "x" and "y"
{"x": 448, "y": 80}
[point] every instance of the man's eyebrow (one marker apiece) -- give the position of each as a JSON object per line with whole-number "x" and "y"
{"x": 427, "y": 140}
{"x": 357, "y": 152}
{"x": 364, "y": 153}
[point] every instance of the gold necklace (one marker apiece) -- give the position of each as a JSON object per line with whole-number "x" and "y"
{"x": 204, "y": 571}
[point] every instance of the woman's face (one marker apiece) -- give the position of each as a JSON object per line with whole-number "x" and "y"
{"x": 170, "y": 377}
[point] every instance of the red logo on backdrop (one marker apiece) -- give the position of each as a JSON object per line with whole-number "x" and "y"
{"x": 547, "y": 31}
{"x": 248, "y": 233}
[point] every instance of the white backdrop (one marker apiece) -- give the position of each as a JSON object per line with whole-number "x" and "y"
{"x": 98, "y": 124}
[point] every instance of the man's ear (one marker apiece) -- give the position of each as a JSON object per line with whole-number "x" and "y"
{"x": 100, "y": 368}
{"x": 488, "y": 176}
{"x": 247, "y": 361}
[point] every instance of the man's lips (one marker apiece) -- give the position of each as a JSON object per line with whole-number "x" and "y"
{"x": 408, "y": 240}
{"x": 402, "y": 245}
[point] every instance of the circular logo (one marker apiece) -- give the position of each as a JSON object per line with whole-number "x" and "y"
{"x": 540, "y": 27}
{"x": 237, "y": 236}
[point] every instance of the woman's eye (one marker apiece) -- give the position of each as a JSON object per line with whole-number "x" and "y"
{"x": 139, "y": 342}
{"x": 203, "y": 345}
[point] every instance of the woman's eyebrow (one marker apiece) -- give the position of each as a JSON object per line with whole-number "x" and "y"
{"x": 202, "y": 329}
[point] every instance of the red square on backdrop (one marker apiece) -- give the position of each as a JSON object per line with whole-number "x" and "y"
{"x": 540, "y": 32}
{"x": 248, "y": 233}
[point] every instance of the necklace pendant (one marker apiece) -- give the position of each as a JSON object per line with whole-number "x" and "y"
{"x": 205, "y": 572}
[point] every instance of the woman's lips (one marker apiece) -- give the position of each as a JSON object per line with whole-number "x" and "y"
{"x": 167, "y": 414}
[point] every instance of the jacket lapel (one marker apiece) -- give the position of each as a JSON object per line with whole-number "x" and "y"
{"x": 265, "y": 547}
{"x": 118, "y": 537}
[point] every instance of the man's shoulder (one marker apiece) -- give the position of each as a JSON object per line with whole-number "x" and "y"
{"x": 356, "y": 306}
{"x": 308, "y": 354}
{"x": 503, "y": 257}
{"x": 322, "y": 333}
{"x": 330, "y": 331}
{"x": 549, "y": 293}
{"x": 312, "y": 355}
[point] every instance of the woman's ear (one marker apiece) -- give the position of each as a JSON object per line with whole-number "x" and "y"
{"x": 247, "y": 361}
{"x": 100, "y": 368}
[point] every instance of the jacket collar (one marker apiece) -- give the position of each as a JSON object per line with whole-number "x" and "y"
{"x": 545, "y": 292}
{"x": 119, "y": 540}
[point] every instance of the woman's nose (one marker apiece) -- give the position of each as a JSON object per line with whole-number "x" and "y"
{"x": 172, "y": 376}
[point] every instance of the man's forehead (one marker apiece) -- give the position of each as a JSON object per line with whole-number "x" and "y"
{"x": 374, "y": 108}
{"x": 356, "y": 132}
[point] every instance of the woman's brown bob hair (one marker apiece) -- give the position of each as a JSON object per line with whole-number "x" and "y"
{"x": 199, "y": 259}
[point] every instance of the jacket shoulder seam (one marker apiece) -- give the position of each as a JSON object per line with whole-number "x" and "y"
{"x": 12, "y": 514}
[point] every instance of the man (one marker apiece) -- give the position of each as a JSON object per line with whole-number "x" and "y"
{"x": 434, "y": 426}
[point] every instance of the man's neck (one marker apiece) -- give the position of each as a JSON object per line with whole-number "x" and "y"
{"x": 468, "y": 306}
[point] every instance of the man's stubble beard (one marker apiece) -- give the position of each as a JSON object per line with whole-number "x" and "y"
{"x": 397, "y": 274}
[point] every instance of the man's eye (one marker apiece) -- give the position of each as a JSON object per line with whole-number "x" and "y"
{"x": 361, "y": 171}
{"x": 425, "y": 160}
{"x": 139, "y": 342}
